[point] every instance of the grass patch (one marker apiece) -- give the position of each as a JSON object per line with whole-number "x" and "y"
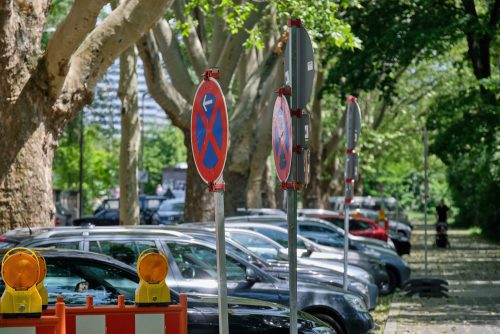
{"x": 381, "y": 313}
{"x": 475, "y": 230}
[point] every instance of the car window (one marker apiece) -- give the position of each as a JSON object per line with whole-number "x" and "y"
{"x": 200, "y": 262}
{"x": 60, "y": 245}
{"x": 257, "y": 245}
{"x": 336, "y": 221}
{"x": 74, "y": 280}
{"x": 279, "y": 236}
{"x": 125, "y": 251}
{"x": 322, "y": 235}
{"x": 355, "y": 225}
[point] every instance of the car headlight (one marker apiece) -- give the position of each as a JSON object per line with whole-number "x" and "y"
{"x": 322, "y": 330}
{"x": 356, "y": 302}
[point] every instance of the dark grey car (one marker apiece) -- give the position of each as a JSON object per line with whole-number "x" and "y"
{"x": 193, "y": 270}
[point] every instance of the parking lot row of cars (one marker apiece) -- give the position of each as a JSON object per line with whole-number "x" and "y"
{"x": 257, "y": 270}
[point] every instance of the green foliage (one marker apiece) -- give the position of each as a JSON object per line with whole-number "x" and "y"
{"x": 162, "y": 148}
{"x": 100, "y": 162}
{"x": 394, "y": 34}
{"x": 467, "y": 137}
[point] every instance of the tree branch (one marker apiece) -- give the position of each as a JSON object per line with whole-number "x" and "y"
{"x": 219, "y": 36}
{"x": 164, "y": 94}
{"x": 172, "y": 57}
{"x": 120, "y": 30}
{"x": 233, "y": 49}
{"x": 69, "y": 34}
{"x": 195, "y": 49}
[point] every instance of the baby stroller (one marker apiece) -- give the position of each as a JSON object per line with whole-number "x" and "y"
{"x": 442, "y": 235}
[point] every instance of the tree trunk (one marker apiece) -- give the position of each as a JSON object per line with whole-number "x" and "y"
{"x": 312, "y": 193}
{"x": 200, "y": 206}
{"x": 27, "y": 149}
{"x": 268, "y": 196}
{"x": 130, "y": 139}
{"x": 41, "y": 92}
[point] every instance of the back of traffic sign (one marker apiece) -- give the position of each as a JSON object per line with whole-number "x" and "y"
{"x": 209, "y": 130}
{"x": 305, "y": 67}
{"x": 282, "y": 138}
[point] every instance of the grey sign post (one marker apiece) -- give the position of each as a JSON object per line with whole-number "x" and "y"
{"x": 353, "y": 130}
{"x": 299, "y": 75}
{"x": 426, "y": 195}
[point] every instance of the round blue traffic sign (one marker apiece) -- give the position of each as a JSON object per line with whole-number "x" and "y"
{"x": 282, "y": 138}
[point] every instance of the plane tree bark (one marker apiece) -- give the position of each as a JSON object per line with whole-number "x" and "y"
{"x": 42, "y": 91}
{"x": 130, "y": 138}
{"x": 162, "y": 58}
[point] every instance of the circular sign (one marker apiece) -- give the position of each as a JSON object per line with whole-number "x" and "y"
{"x": 209, "y": 130}
{"x": 282, "y": 138}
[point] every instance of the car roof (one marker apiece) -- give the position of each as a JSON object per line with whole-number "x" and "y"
{"x": 44, "y": 233}
{"x": 74, "y": 254}
{"x": 316, "y": 211}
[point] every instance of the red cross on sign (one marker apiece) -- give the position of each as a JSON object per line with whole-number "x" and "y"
{"x": 282, "y": 138}
{"x": 209, "y": 130}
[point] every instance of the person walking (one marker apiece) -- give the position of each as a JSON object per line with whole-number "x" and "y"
{"x": 442, "y": 212}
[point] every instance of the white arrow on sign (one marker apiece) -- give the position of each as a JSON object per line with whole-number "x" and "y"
{"x": 206, "y": 103}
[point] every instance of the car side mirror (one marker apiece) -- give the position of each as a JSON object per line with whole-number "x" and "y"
{"x": 251, "y": 276}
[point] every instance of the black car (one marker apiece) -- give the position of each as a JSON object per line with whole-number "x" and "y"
{"x": 108, "y": 213}
{"x": 107, "y": 278}
{"x": 192, "y": 269}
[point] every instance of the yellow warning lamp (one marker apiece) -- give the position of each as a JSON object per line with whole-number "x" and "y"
{"x": 39, "y": 284}
{"x": 152, "y": 268}
{"x": 21, "y": 272}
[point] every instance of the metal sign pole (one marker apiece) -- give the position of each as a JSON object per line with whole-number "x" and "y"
{"x": 221, "y": 260}
{"x": 209, "y": 100}
{"x": 353, "y": 130}
{"x": 291, "y": 191}
{"x": 426, "y": 197}
{"x": 346, "y": 243}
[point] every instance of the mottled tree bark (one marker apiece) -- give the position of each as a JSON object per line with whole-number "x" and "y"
{"x": 130, "y": 139}
{"x": 42, "y": 91}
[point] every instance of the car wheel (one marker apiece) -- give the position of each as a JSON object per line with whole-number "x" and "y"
{"x": 393, "y": 280}
{"x": 331, "y": 321}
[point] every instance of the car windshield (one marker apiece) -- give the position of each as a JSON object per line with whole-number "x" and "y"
{"x": 171, "y": 206}
{"x": 200, "y": 262}
{"x": 259, "y": 246}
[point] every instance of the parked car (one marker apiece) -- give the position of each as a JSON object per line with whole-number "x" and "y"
{"x": 63, "y": 216}
{"x": 107, "y": 278}
{"x": 399, "y": 233}
{"x": 307, "y": 249}
{"x": 108, "y": 213}
{"x": 192, "y": 269}
{"x": 395, "y": 227}
{"x": 326, "y": 233}
{"x": 360, "y": 226}
{"x": 270, "y": 260}
{"x": 171, "y": 211}
{"x": 392, "y": 208}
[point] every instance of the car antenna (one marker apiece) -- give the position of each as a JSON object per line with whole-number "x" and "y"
{"x": 29, "y": 228}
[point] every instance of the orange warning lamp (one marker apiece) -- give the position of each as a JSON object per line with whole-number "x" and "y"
{"x": 20, "y": 272}
{"x": 152, "y": 268}
{"x": 39, "y": 284}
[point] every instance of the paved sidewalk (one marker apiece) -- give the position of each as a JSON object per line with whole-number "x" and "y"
{"x": 472, "y": 268}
